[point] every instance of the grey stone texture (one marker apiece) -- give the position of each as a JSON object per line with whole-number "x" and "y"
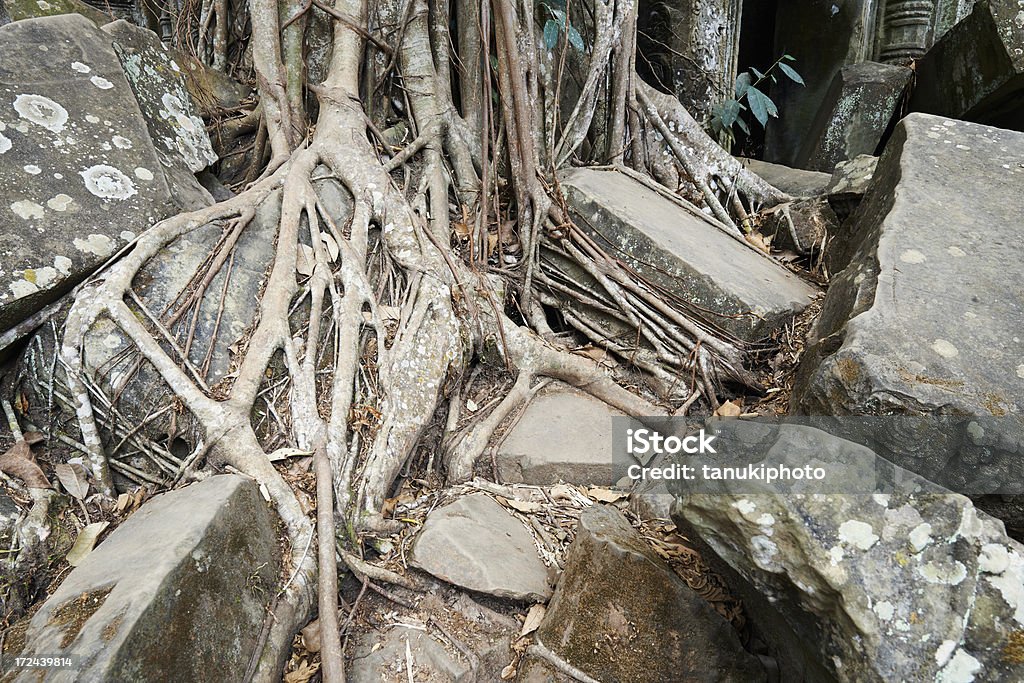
{"x": 925, "y": 317}
{"x": 793, "y": 181}
{"x": 677, "y": 248}
{"x": 976, "y": 71}
{"x": 475, "y": 544}
{"x": 78, "y": 174}
{"x": 870, "y": 587}
{"x": 855, "y": 114}
{"x": 179, "y": 591}
{"x": 563, "y": 435}
{"x": 620, "y": 613}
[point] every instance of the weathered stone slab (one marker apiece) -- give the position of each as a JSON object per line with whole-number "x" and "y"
{"x": 907, "y": 586}
{"x": 384, "y": 657}
{"x": 678, "y": 249}
{"x": 794, "y": 181}
{"x": 850, "y": 182}
{"x": 563, "y": 436}
{"x": 976, "y": 71}
{"x": 178, "y": 132}
{"x": 178, "y": 592}
{"x": 475, "y": 544}
{"x": 620, "y": 613}
{"x": 78, "y": 175}
{"x": 31, "y": 9}
{"x": 926, "y": 317}
{"x": 855, "y": 114}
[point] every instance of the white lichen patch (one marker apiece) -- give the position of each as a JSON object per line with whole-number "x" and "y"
{"x": 143, "y": 173}
{"x": 858, "y": 534}
{"x": 945, "y": 348}
{"x": 60, "y": 202}
{"x": 92, "y": 119}
{"x": 912, "y": 256}
{"x": 949, "y": 574}
{"x": 1010, "y": 581}
{"x": 108, "y": 182}
{"x": 127, "y": 235}
{"x": 98, "y": 245}
{"x": 81, "y": 68}
{"x": 27, "y": 209}
{"x": 920, "y": 536}
{"x": 101, "y": 83}
{"x": 763, "y": 551}
{"x": 5, "y": 143}
{"x": 41, "y": 111}
{"x": 960, "y": 669}
{"x": 744, "y": 506}
{"x": 32, "y": 169}
{"x": 884, "y": 610}
{"x": 1020, "y": 370}
{"x": 944, "y": 652}
{"x": 62, "y": 264}
{"x": 20, "y": 288}
{"x": 835, "y": 554}
{"x": 121, "y": 142}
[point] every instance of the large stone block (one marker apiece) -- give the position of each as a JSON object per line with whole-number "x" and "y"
{"x": 871, "y": 587}
{"x": 976, "y": 71}
{"x": 563, "y": 435}
{"x": 677, "y": 248}
{"x": 620, "y": 613}
{"x": 855, "y": 115}
{"x": 794, "y": 181}
{"x": 179, "y": 591}
{"x": 926, "y": 317}
{"x": 474, "y": 543}
{"x": 78, "y": 175}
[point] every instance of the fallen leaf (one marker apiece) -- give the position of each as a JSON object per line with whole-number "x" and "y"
{"x": 18, "y": 462}
{"x": 285, "y": 453}
{"x": 756, "y": 239}
{"x": 533, "y": 619}
{"x": 331, "y": 246}
{"x": 72, "y": 478}
{"x": 303, "y": 672}
{"x": 123, "y": 501}
{"x": 305, "y": 259}
{"x": 605, "y": 495}
{"x": 520, "y": 505}
{"x": 85, "y": 542}
{"x": 561, "y": 492}
{"x": 471, "y": 405}
{"x": 508, "y": 672}
{"x": 311, "y": 636}
{"x": 730, "y": 409}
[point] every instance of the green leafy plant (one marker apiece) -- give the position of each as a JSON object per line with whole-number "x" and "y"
{"x": 558, "y": 24}
{"x": 748, "y": 96}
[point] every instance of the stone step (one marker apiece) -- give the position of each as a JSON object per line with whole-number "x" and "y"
{"x": 679, "y": 249}
{"x": 179, "y": 591}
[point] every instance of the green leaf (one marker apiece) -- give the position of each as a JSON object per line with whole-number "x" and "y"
{"x": 757, "y": 73}
{"x": 729, "y": 112}
{"x": 743, "y": 126}
{"x": 559, "y": 15}
{"x": 761, "y": 106}
{"x": 789, "y": 58}
{"x": 742, "y": 83}
{"x": 575, "y": 39}
{"x": 791, "y": 72}
{"x": 551, "y": 33}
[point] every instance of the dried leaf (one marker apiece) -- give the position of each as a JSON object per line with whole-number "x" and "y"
{"x": 305, "y": 259}
{"x": 561, "y": 492}
{"x": 311, "y": 636}
{"x": 756, "y": 239}
{"x": 331, "y": 246}
{"x": 72, "y": 478}
{"x": 605, "y": 495}
{"x": 303, "y": 672}
{"x": 285, "y": 453}
{"x": 520, "y": 505}
{"x": 730, "y": 409}
{"x": 123, "y": 501}
{"x": 85, "y": 542}
{"x": 509, "y": 672}
{"x": 18, "y": 462}
{"x": 533, "y": 619}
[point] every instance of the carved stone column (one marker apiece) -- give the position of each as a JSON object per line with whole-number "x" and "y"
{"x": 904, "y": 31}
